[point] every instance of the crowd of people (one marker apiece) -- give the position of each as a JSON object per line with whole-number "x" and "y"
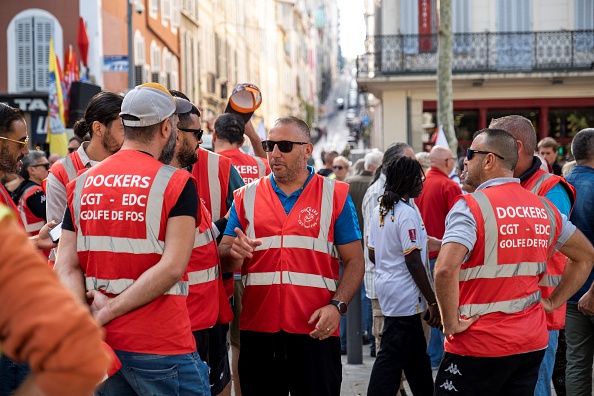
{"x": 184, "y": 271}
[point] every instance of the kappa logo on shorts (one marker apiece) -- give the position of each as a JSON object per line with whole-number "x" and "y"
{"x": 308, "y": 217}
{"x": 412, "y": 234}
{"x": 453, "y": 369}
{"x": 448, "y": 385}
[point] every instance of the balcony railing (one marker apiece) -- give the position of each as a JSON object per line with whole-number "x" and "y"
{"x": 480, "y": 53}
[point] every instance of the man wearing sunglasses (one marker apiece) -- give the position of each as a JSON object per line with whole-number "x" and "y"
{"x": 292, "y": 303}
{"x": 494, "y": 253}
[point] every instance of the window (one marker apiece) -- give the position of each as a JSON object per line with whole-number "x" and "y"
{"x": 409, "y": 27}
{"x": 173, "y": 79}
{"x": 165, "y": 12}
{"x": 584, "y": 20}
{"x": 28, "y": 37}
{"x": 155, "y": 62}
{"x": 514, "y": 48}
{"x": 175, "y": 14}
{"x": 461, "y": 26}
{"x": 139, "y": 59}
{"x": 153, "y": 8}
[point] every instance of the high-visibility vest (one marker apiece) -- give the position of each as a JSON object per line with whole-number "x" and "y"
{"x": 541, "y": 183}
{"x": 250, "y": 168}
{"x": 211, "y": 172}
{"x": 32, "y": 223}
{"x": 516, "y": 233}
{"x": 295, "y": 271}
{"x": 120, "y": 210}
{"x": 206, "y": 285}
{"x": 66, "y": 168}
{"x": 8, "y": 202}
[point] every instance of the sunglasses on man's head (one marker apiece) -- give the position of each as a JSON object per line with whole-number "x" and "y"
{"x": 470, "y": 153}
{"x": 285, "y": 146}
{"x": 197, "y": 132}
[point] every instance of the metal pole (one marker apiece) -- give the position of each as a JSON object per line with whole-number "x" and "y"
{"x": 130, "y": 46}
{"x": 354, "y": 336}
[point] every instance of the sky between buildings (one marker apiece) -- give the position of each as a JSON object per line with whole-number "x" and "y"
{"x": 352, "y": 27}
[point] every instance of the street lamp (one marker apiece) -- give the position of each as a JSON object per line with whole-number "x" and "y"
{"x": 139, "y": 9}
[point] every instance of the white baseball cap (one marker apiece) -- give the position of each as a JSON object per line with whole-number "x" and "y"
{"x": 151, "y": 103}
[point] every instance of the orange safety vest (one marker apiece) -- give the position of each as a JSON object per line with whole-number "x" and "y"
{"x": 120, "y": 210}
{"x": 7, "y": 200}
{"x": 541, "y": 183}
{"x": 207, "y": 300}
{"x": 249, "y": 167}
{"x": 516, "y": 234}
{"x": 295, "y": 271}
{"x": 212, "y": 174}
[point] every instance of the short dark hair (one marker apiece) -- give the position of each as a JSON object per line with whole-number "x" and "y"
{"x": 141, "y": 134}
{"x": 520, "y": 127}
{"x": 185, "y": 118}
{"x": 582, "y": 146}
{"x": 503, "y": 144}
{"x": 8, "y": 115}
{"x": 548, "y": 142}
{"x": 104, "y": 107}
{"x": 79, "y": 140}
{"x": 230, "y": 127}
{"x": 302, "y": 125}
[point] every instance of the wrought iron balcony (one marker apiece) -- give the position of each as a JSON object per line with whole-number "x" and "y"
{"x": 480, "y": 53}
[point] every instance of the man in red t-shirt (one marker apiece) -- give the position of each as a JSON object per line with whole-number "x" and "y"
{"x": 439, "y": 192}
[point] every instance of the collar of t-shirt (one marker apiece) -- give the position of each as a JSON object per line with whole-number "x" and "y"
{"x": 84, "y": 158}
{"x": 497, "y": 181}
{"x": 289, "y": 201}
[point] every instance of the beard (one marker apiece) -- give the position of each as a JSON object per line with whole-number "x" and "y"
{"x": 109, "y": 143}
{"x": 186, "y": 155}
{"x": 169, "y": 150}
{"x": 8, "y": 163}
{"x": 291, "y": 171}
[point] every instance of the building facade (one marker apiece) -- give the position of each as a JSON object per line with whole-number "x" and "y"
{"x": 528, "y": 57}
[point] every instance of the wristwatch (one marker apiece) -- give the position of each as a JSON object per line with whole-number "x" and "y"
{"x": 341, "y": 306}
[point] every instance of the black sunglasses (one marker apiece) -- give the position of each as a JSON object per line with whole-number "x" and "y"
{"x": 285, "y": 146}
{"x": 470, "y": 153}
{"x": 71, "y": 149}
{"x": 339, "y": 167}
{"x": 197, "y": 132}
{"x": 46, "y": 166}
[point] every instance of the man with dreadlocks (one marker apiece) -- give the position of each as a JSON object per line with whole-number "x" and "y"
{"x": 398, "y": 245}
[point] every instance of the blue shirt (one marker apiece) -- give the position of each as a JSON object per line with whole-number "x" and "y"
{"x": 582, "y": 178}
{"x": 346, "y": 227}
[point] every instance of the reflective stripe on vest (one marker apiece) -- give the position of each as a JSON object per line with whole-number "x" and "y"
{"x": 319, "y": 244}
{"x": 154, "y": 207}
{"x": 118, "y": 286}
{"x": 508, "y": 307}
{"x": 289, "y": 278}
{"x": 491, "y": 269}
{"x": 69, "y": 168}
{"x": 29, "y": 227}
{"x": 550, "y": 280}
{"x": 214, "y": 186}
{"x": 261, "y": 167}
{"x": 539, "y": 182}
{"x": 203, "y": 239}
{"x": 203, "y": 276}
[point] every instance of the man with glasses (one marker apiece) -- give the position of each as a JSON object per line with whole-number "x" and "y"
{"x": 494, "y": 253}
{"x": 125, "y": 246}
{"x": 292, "y": 303}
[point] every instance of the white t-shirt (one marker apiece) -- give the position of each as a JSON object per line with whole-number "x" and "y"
{"x": 396, "y": 290}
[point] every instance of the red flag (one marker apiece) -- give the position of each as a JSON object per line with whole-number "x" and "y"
{"x": 83, "y": 41}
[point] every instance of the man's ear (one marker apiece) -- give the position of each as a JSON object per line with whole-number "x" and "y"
{"x": 97, "y": 128}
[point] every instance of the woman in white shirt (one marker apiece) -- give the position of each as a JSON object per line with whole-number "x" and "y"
{"x": 398, "y": 247}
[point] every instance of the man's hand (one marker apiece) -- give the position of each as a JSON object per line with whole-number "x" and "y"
{"x": 434, "y": 317}
{"x": 328, "y": 319}
{"x": 100, "y": 307}
{"x": 547, "y": 305}
{"x": 586, "y": 304}
{"x": 242, "y": 246}
{"x": 459, "y": 327}
{"x": 43, "y": 240}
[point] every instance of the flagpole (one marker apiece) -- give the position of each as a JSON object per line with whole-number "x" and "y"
{"x": 130, "y": 47}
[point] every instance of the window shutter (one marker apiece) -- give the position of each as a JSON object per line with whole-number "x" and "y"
{"x": 24, "y": 54}
{"x": 409, "y": 26}
{"x": 44, "y": 30}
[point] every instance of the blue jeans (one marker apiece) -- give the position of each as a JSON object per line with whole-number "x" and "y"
{"x": 435, "y": 347}
{"x": 545, "y": 372}
{"x": 12, "y": 374}
{"x": 144, "y": 374}
{"x": 367, "y": 317}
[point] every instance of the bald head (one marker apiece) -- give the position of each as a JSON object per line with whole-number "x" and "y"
{"x": 441, "y": 158}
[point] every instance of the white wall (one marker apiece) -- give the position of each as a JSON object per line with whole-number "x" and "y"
{"x": 90, "y": 11}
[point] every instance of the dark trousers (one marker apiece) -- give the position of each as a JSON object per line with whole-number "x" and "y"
{"x": 212, "y": 347}
{"x": 403, "y": 347}
{"x": 278, "y": 363}
{"x": 508, "y": 375}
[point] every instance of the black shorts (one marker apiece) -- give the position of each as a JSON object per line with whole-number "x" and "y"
{"x": 469, "y": 375}
{"x": 213, "y": 349}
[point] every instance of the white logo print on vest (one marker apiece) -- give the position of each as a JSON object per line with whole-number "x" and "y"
{"x": 447, "y": 385}
{"x": 308, "y": 217}
{"x": 453, "y": 369}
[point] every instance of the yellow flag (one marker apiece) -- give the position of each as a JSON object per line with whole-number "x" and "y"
{"x": 56, "y": 133}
